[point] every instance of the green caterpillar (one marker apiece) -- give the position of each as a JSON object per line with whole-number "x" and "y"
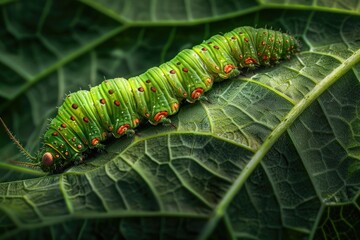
{"x": 118, "y": 106}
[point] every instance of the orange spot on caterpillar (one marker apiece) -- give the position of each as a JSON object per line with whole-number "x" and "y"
{"x": 233, "y": 38}
{"x": 94, "y": 141}
{"x": 158, "y": 116}
{"x": 54, "y": 134}
{"x": 86, "y": 119}
{"x": 263, "y": 43}
{"x": 74, "y": 106}
{"x": 63, "y": 125}
{"x": 153, "y": 89}
{"x": 204, "y": 49}
{"x": 102, "y": 101}
{"x": 216, "y": 47}
{"x": 136, "y": 121}
{"x": 111, "y": 91}
{"x": 72, "y": 118}
{"x": 197, "y": 93}
{"x": 208, "y": 81}
{"x": 265, "y": 57}
{"x": 104, "y": 135}
{"x": 79, "y": 146}
{"x": 246, "y": 39}
{"x": 250, "y": 60}
{"x": 228, "y": 68}
{"x": 66, "y": 153}
{"x": 185, "y": 70}
{"x": 121, "y": 130}
{"x": 141, "y": 89}
{"x": 172, "y": 71}
{"x": 175, "y": 106}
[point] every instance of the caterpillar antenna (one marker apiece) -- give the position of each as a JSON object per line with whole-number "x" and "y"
{"x": 17, "y": 142}
{"x": 25, "y": 164}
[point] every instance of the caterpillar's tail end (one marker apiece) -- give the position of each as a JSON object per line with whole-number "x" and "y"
{"x": 17, "y": 142}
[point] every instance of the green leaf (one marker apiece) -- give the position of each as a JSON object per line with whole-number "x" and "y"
{"x": 274, "y": 154}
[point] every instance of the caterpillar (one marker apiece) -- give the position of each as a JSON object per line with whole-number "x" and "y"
{"x": 118, "y": 106}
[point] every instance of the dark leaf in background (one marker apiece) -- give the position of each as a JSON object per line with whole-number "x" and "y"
{"x": 274, "y": 154}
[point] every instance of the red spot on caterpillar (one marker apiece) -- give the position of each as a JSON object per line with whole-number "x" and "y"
{"x": 111, "y": 91}
{"x": 172, "y": 71}
{"x": 197, "y": 93}
{"x": 250, "y": 60}
{"x": 79, "y": 146}
{"x": 265, "y": 57}
{"x": 246, "y": 39}
{"x": 63, "y": 125}
{"x": 47, "y": 159}
{"x": 228, "y": 68}
{"x": 102, "y": 101}
{"x": 86, "y": 119}
{"x": 216, "y": 47}
{"x": 72, "y": 118}
{"x": 121, "y": 130}
{"x": 185, "y": 70}
{"x": 158, "y": 116}
{"x": 153, "y": 89}
{"x": 117, "y": 102}
{"x": 204, "y": 49}
{"x": 147, "y": 115}
{"x": 74, "y": 106}
{"x": 263, "y": 43}
{"x": 148, "y": 81}
{"x": 140, "y": 89}
{"x": 94, "y": 141}
{"x": 54, "y": 134}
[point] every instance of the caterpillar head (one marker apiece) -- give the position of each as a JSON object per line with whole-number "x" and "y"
{"x": 49, "y": 159}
